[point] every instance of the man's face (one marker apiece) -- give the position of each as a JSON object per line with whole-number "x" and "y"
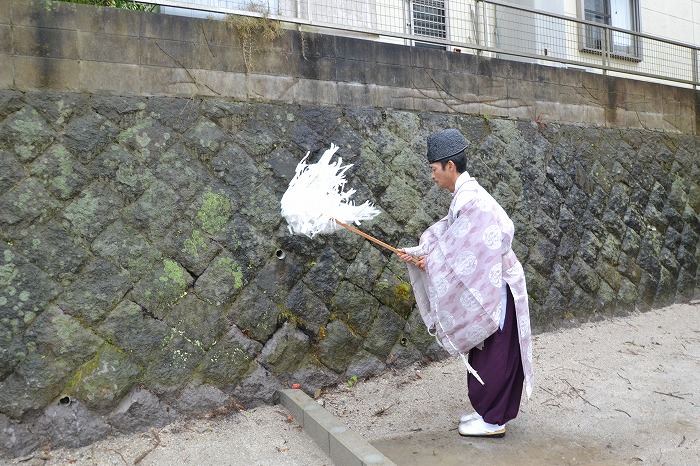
{"x": 444, "y": 177}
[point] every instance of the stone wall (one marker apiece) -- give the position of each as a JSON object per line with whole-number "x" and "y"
{"x": 141, "y": 278}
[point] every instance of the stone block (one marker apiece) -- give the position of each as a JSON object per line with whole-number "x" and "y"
{"x": 7, "y": 71}
{"x": 627, "y": 294}
{"x": 573, "y": 95}
{"x": 343, "y": 448}
{"x": 512, "y": 69}
{"x": 390, "y": 97}
{"x": 213, "y": 32}
{"x": 5, "y": 13}
{"x": 317, "y": 68}
{"x": 547, "y": 110}
{"x": 462, "y": 86}
{"x": 45, "y": 42}
{"x": 518, "y": 109}
{"x": 222, "y": 58}
{"x": 279, "y": 88}
{"x": 581, "y": 114}
{"x": 496, "y": 108}
{"x": 110, "y": 77}
{"x": 393, "y": 54}
{"x": 426, "y": 79}
{"x": 296, "y": 402}
{"x": 356, "y": 49}
{"x": 173, "y": 53}
{"x": 354, "y": 95}
{"x": 492, "y": 88}
{"x": 109, "y": 21}
{"x": 268, "y": 61}
{"x": 542, "y": 256}
{"x": 317, "y": 423}
{"x": 390, "y": 75}
{"x": 429, "y": 59}
{"x": 474, "y": 108}
{"x": 217, "y": 83}
{"x": 153, "y": 80}
{"x": 108, "y": 48}
{"x": 546, "y": 75}
{"x": 686, "y": 118}
{"x": 311, "y": 45}
{"x": 48, "y": 14}
{"x": 5, "y": 41}
{"x": 46, "y": 73}
{"x": 175, "y": 28}
{"x": 517, "y": 88}
{"x": 353, "y": 71}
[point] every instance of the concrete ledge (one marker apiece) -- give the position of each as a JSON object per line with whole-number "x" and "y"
{"x": 342, "y": 445}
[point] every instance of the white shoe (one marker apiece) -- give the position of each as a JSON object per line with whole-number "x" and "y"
{"x": 479, "y": 428}
{"x": 466, "y": 417}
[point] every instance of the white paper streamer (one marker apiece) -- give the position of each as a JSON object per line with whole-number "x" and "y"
{"x": 315, "y": 198}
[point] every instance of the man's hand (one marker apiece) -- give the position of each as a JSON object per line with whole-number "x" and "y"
{"x": 406, "y": 257}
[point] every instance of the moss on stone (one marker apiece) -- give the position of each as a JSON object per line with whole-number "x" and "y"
{"x": 173, "y": 273}
{"x": 81, "y": 212}
{"x": 8, "y": 272}
{"x": 232, "y": 267}
{"x": 216, "y": 210}
{"x": 194, "y": 244}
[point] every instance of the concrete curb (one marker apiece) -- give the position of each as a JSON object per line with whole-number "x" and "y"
{"x": 346, "y": 448}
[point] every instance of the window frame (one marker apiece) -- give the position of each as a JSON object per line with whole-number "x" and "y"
{"x": 427, "y": 25}
{"x": 634, "y": 49}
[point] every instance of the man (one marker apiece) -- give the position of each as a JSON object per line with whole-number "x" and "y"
{"x": 470, "y": 290}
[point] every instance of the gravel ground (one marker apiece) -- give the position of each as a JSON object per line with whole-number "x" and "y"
{"x": 619, "y": 391}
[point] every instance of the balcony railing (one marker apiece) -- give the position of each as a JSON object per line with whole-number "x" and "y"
{"x": 485, "y": 27}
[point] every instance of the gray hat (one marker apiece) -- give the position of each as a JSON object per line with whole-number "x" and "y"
{"x": 444, "y": 144}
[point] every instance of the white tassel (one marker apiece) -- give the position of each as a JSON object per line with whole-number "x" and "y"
{"x": 470, "y": 369}
{"x": 315, "y": 198}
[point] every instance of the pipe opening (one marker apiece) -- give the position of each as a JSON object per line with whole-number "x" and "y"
{"x": 65, "y": 401}
{"x": 280, "y": 254}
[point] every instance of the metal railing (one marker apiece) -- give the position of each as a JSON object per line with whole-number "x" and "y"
{"x": 486, "y": 27}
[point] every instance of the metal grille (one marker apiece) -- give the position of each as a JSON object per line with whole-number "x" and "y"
{"x": 489, "y": 28}
{"x": 429, "y": 18}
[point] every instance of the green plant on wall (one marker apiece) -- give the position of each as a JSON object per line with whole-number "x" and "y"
{"x": 125, "y": 4}
{"x": 255, "y": 31}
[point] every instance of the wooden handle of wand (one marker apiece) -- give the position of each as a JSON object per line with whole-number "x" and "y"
{"x": 371, "y": 238}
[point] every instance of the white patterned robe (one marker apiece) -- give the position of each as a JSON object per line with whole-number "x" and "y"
{"x": 468, "y": 259}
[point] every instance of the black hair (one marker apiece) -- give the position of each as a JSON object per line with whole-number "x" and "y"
{"x": 459, "y": 159}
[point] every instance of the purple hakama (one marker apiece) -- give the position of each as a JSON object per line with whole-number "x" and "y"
{"x": 500, "y": 367}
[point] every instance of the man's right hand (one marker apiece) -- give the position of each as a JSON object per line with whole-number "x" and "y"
{"x": 406, "y": 257}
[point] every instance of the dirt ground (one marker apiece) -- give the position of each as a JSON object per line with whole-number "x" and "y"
{"x": 619, "y": 391}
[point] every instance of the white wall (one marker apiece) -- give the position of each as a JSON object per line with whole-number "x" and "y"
{"x": 672, "y": 19}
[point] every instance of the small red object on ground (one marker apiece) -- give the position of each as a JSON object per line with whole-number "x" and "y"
{"x": 296, "y": 385}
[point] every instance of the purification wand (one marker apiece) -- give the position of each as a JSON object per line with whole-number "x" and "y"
{"x": 315, "y": 202}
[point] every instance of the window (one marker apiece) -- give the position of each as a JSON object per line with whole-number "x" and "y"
{"x": 428, "y": 19}
{"x": 623, "y": 14}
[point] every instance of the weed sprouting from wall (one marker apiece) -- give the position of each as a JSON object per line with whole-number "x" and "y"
{"x": 255, "y": 32}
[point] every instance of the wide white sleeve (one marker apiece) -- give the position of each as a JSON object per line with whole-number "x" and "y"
{"x": 415, "y": 251}
{"x": 428, "y": 238}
